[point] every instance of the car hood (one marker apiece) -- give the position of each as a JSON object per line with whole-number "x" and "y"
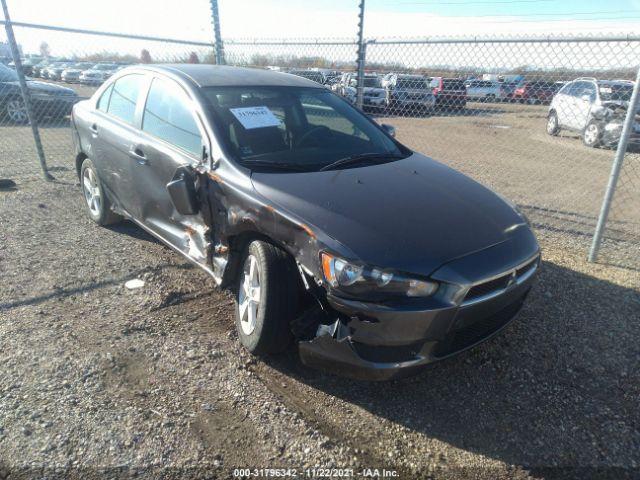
{"x": 412, "y": 215}
{"x": 44, "y": 87}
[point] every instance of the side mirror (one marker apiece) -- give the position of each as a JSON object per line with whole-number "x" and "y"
{"x": 390, "y": 129}
{"x": 182, "y": 190}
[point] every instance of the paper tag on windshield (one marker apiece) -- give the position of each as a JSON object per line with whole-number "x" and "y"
{"x": 255, "y": 117}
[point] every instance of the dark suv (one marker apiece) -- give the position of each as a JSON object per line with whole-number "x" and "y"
{"x": 375, "y": 259}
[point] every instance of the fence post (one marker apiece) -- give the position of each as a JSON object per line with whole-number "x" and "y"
{"x": 362, "y": 51}
{"x": 215, "y": 17}
{"x": 618, "y": 160}
{"x": 15, "y": 53}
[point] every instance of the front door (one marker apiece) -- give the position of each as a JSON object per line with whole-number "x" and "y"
{"x": 113, "y": 132}
{"x": 171, "y": 137}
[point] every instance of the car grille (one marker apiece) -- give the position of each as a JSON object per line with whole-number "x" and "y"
{"x": 474, "y": 333}
{"x": 498, "y": 285}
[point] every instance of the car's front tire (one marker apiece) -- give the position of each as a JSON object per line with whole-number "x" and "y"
{"x": 16, "y": 111}
{"x": 592, "y": 134}
{"x": 96, "y": 201}
{"x": 553, "y": 126}
{"x": 267, "y": 298}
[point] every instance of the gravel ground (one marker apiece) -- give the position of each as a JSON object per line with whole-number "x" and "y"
{"x": 98, "y": 378}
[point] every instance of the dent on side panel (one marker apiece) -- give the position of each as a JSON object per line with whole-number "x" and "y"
{"x": 235, "y": 212}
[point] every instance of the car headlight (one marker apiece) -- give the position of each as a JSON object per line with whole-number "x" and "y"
{"x": 363, "y": 280}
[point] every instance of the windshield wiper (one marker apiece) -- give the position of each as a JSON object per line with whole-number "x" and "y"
{"x": 360, "y": 157}
{"x": 275, "y": 165}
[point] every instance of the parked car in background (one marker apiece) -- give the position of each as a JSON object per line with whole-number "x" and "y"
{"x": 72, "y": 74}
{"x": 294, "y": 200}
{"x": 37, "y": 70}
{"x": 47, "y": 99}
{"x": 313, "y": 75}
{"x": 28, "y": 63}
{"x": 374, "y": 95}
{"x": 508, "y": 89}
{"x": 483, "y": 90}
{"x": 594, "y": 108}
{"x": 408, "y": 91}
{"x": 100, "y": 72}
{"x": 449, "y": 92}
{"x": 536, "y": 92}
{"x": 54, "y": 72}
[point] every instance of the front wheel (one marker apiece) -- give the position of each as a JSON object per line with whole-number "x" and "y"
{"x": 16, "y": 111}
{"x": 267, "y": 298}
{"x": 98, "y": 205}
{"x": 592, "y": 135}
{"x": 553, "y": 127}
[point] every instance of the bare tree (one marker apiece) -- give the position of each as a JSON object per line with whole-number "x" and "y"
{"x": 193, "y": 58}
{"x": 45, "y": 51}
{"x": 145, "y": 56}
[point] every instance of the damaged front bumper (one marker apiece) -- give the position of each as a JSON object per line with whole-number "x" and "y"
{"x": 372, "y": 341}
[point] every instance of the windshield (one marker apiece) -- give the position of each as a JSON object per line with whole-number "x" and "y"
{"x": 621, "y": 93}
{"x": 103, "y": 67}
{"x": 7, "y": 74}
{"x": 306, "y": 128}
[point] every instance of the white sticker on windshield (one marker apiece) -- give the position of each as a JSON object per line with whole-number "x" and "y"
{"x": 255, "y": 117}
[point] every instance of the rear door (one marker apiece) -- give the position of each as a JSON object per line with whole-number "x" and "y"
{"x": 171, "y": 136}
{"x": 113, "y": 132}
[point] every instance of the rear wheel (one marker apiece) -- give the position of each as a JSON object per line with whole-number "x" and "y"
{"x": 98, "y": 205}
{"x": 592, "y": 135}
{"x": 267, "y": 297}
{"x": 553, "y": 127}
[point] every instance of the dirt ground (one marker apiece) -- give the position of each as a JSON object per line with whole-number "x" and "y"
{"x": 152, "y": 382}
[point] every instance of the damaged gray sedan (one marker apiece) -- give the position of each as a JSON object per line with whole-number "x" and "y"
{"x": 373, "y": 259}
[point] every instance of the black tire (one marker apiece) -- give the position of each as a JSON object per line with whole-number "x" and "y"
{"x": 102, "y": 214}
{"x": 553, "y": 127}
{"x": 279, "y": 298}
{"x": 592, "y": 134}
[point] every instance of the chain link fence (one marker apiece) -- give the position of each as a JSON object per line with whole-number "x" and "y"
{"x": 536, "y": 119}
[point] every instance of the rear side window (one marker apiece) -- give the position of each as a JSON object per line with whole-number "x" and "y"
{"x": 124, "y": 97}
{"x": 103, "y": 103}
{"x": 168, "y": 117}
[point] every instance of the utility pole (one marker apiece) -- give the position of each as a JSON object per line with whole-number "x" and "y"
{"x": 215, "y": 18}
{"x": 362, "y": 48}
{"x": 24, "y": 90}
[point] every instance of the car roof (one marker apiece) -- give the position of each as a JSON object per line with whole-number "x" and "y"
{"x": 222, "y": 75}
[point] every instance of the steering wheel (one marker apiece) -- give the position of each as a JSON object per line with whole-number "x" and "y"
{"x": 313, "y": 131}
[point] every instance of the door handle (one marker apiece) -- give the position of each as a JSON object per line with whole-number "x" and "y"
{"x": 94, "y": 129}
{"x": 139, "y": 155}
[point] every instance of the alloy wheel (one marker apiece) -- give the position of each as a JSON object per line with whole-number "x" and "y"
{"x": 552, "y": 124}
{"x": 17, "y": 111}
{"x": 591, "y": 134}
{"x": 249, "y": 295}
{"x": 91, "y": 191}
